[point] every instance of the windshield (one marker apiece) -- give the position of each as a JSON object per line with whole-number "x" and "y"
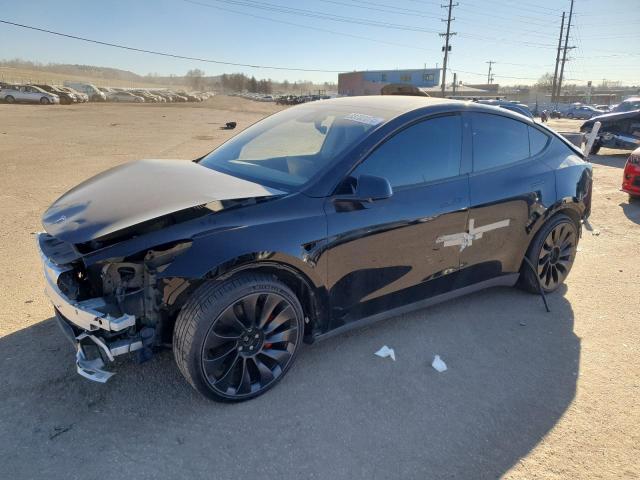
{"x": 288, "y": 148}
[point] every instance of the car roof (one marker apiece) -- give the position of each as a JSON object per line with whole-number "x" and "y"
{"x": 396, "y": 104}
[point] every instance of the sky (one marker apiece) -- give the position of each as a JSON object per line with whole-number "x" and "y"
{"x": 332, "y": 35}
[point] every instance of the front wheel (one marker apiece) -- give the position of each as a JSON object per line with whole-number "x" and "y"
{"x": 552, "y": 253}
{"x": 234, "y": 340}
{"x": 9, "y": 99}
{"x": 44, "y": 101}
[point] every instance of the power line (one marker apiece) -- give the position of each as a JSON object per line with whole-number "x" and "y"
{"x": 566, "y": 47}
{"x": 446, "y": 47}
{"x": 388, "y": 9}
{"x": 555, "y": 72}
{"x": 318, "y": 29}
{"x": 489, "y": 77}
{"x": 313, "y": 14}
{"x": 164, "y": 54}
{"x": 393, "y": 7}
{"x": 525, "y": 6}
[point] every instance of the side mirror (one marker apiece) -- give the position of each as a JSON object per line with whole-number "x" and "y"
{"x": 369, "y": 188}
{"x": 372, "y": 188}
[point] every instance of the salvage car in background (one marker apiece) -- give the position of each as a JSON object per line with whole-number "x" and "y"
{"x": 92, "y": 92}
{"x": 582, "y": 112}
{"x": 627, "y": 105}
{"x": 121, "y": 96}
{"x": 631, "y": 175}
{"x": 81, "y": 97}
{"x": 66, "y": 98}
{"x": 619, "y": 129}
{"x": 315, "y": 220}
{"x": 27, "y": 94}
{"x": 520, "y": 108}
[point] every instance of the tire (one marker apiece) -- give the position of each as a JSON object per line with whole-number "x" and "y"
{"x": 9, "y": 99}
{"x": 552, "y": 252}
{"x": 236, "y": 339}
{"x": 595, "y": 148}
{"x": 44, "y": 101}
{"x": 570, "y": 115}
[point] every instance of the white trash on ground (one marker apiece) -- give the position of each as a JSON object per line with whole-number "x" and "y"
{"x": 439, "y": 364}
{"x": 385, "y": 352}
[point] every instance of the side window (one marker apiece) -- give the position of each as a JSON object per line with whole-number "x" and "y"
{"x": 498, "y": 141}
{"x": 424, "y": 152}
{"x": 537, "y": 141}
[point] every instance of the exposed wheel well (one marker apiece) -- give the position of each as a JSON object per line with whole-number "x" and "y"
{"x": 313, "y": 300}
{"x": 572, "y": 214}
{"x": 569, "y": 212}
{"x": 308, "y": 295}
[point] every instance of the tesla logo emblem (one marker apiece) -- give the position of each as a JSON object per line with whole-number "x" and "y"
{"x": 61, "y": 219}
{"x": 465, "y": 239}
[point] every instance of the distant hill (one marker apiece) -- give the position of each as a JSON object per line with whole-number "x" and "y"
{"x": 22, "y": 71}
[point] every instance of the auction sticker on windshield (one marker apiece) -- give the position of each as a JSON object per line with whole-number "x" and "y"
{"x": 362, "y": 118}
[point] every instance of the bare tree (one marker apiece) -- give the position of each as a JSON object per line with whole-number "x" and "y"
{"x": 195, "y": 79}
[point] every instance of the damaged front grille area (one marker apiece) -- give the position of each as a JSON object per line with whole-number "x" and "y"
{"x": 108, "y": 308}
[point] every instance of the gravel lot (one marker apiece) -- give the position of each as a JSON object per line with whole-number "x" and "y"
{"x": 527, "y": 395}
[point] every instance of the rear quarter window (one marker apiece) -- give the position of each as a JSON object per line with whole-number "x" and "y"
{"x": 537, "y": 141}
{"x": 498, "y": 141}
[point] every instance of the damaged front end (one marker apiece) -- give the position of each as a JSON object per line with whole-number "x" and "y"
{"x": 109, "y": 308}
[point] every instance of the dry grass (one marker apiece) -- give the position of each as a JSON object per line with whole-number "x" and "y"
{"x": 25, "y": 75}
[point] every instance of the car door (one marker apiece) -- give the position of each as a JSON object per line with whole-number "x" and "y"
{"x": 509, "y": 188}
{"x": 31, "y": 94}
{"x": 389, "y": 253}
{"x": 21, "y": 94}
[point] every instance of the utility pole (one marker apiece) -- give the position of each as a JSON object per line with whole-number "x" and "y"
{"x": 564, "y": 55}
{"x": 555, "y": 73}
{"x": 489, "y": 79}
{"x": 446, "y": 47}
{"x": 455, "y": 82}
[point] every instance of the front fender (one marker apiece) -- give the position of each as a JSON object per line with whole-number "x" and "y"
{"x": 298, "y": 242}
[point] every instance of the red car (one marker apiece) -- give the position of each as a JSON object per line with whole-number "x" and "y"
{"x": 631, "y": 175}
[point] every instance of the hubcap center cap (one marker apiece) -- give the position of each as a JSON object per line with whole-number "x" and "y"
{"x": 251, "y": 341}
{"x": 555, "y": 255}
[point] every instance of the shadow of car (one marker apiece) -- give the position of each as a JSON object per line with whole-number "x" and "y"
{"x": 512, "y": 375}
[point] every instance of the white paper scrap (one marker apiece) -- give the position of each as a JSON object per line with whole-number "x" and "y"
{"x": 385, "y": 352}
{"x": 439, "y": 364}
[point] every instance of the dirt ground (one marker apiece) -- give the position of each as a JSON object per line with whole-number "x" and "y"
{"x": 527, "y": 395}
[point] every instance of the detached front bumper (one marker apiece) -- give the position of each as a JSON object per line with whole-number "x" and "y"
{"x": 88, "y": 324}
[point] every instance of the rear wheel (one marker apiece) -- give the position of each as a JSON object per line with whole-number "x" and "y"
{"x": 234, "y": 340}
{"x": 552, "y": 253}
{"x": 9, "y": 99}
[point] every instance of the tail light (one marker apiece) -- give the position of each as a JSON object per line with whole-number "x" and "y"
{"x": 634, "y": 159}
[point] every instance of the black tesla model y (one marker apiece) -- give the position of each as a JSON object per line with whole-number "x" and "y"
{"x": 314, "y": 220}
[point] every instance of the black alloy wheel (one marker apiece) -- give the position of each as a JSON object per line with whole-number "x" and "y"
{"x": 250, "y": 344}
{"x": 552, "y": 252}
{"x": 556, "y": 256}
{"x": 236, "y": 339}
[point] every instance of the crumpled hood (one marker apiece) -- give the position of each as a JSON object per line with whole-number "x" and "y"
{"x": 139, "y": 191}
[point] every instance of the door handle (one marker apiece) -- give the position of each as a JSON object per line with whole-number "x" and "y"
{"x": 538, "y": 183}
